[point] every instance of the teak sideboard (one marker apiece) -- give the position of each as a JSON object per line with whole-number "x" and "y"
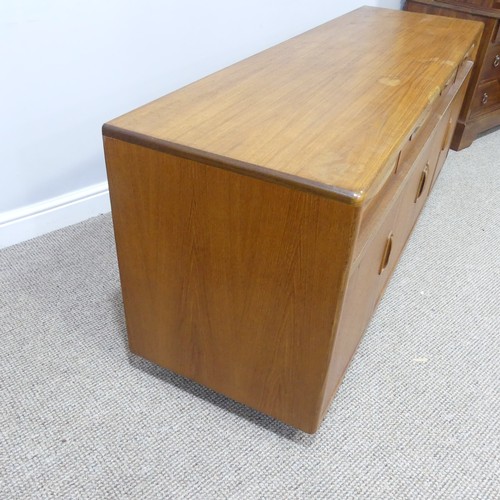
{"x": 481, "y": 108}
{"x": 259, "y": 212}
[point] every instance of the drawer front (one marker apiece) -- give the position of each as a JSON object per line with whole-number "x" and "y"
{"x": 375, "y": 265}
{"x": 491, "y": 65}
{"x": 454, "y": 86}
{"x": 438, "y": 130}
{"x": 415, "y": 193}
{"x": 373, "y": 269}
{"x": 366, "y": 285}
{"x": 481, "y": 4}
{"x": 486, "y": 98}
{"x": 440, "y": 148}
{"x": 471, "y": 3}
{"x": 448, "y": 124}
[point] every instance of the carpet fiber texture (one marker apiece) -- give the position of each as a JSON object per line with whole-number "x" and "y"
{"x": 417, "y": 415}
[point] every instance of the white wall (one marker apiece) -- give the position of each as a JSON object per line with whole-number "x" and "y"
{"x": 69, "y": 66}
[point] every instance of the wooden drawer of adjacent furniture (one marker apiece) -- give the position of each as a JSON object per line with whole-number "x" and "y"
{"x": 486, "y": 98}
{"x": 496, "y": 35}
{"x": 412, "y": 199}
{"x": 491, "y": 64}
{"x": 485, "y": 4}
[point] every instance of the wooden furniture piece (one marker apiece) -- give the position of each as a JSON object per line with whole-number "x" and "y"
{"x": 481, "y": 108}
{"x": 260, "y": 211}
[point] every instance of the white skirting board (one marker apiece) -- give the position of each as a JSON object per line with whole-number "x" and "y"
{"x": 39, "y": 218}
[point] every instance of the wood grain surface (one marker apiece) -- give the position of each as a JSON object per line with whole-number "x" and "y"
{"x": 229, "y": 280}
{"x": 326, "y": 110}
{"x": 478, "y": 7}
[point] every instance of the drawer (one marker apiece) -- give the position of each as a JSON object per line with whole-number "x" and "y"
{"x": 491, "y": 65}
{"x": 367, "y": 282}
{"x": 486, "y": 98}
{"x": 440, "y": 146}
{"x": 470, "y": 3}
{"x": 448, "y": 123}
{"x": 481, "y": 4}
{"x": 413, "y": 197}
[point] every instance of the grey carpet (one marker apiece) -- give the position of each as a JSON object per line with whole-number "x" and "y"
{"x": 416, "y": 417}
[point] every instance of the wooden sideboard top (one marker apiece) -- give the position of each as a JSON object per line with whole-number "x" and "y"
{"x": 325, "y": 111}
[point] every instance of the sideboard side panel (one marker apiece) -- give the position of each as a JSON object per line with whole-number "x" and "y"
{"x": 230, "y": 280}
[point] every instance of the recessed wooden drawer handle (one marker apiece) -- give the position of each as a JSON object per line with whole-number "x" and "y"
{"x": 421, "y": 184}
{"x": 386, "y": 255}
{"x": 496, "y": 61}
{"x": 485, "y": 98}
